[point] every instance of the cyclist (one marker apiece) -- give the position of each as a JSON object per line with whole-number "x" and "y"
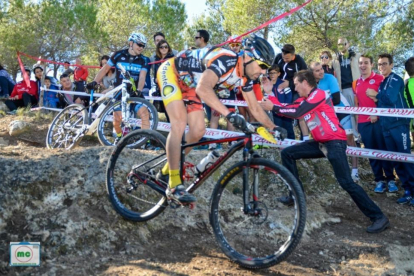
{"x": 137, "y": 65}
{"x": 195, "y": 75}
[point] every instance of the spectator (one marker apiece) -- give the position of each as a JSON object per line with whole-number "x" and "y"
{"x": 68, "y": 71}
{"x": 163, "y": 51}
{"x": 395, "y": 129}
{"x": 80, "y": 76}
{"x": 346, "y": 71}
{"x": 369, "y": 126}
{"x": 38, "y": 72}
{"x": 326, "y": 60}
{"x": 328, "y": 83}
{"x": 66, "y": 85}
{"x": 109, "y": 79}
{"x": 409, "y": 89}
{"x": 6, "y": 83}
{"x": 22, "y": 95}
{"x": 285, "y": 122}
{"x": 201, "y": 39}
{"x": 290, "y": 63}
{"x": 329, "y": 140}
{"x": 50, "y": 99}
{"x": 158, "y": 36}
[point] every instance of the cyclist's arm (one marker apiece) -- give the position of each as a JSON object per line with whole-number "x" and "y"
{"x": 141, "y": 80}
{"x": 256, "y": 110}
{"x": 206, "y": 92}
{"x": 102, "y": 73}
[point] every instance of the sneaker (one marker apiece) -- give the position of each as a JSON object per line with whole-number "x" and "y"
{"x": 162, "y": 177}
{"x": 380, "y": 187}
{"x": 180, "y": 194}
{"x": 13, "y": 112}
{"x": 392, "y": 187}
{"x": 117, "y": 139}
{"x": 286, "y": 200}
{"x": 379, "y": 225}
{"x": 355, "y": 177}
{"x": 407, "y": 198}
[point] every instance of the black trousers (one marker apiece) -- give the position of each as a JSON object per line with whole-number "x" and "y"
{"x": 24, "y": 102}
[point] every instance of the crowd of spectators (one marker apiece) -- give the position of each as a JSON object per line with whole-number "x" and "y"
{"x": 348, "y": 78}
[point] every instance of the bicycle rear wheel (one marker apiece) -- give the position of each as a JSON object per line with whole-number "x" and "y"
{"x": 130, "y": 176}
{"x": 269, "y": 233}
{"x": 143, "y": 115}
{"x": 65, "y": 129}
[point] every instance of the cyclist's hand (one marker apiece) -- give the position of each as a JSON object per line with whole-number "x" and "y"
{"x": 91, "y": 85}
{"x": 280, "y": 133}
{"x": 237, "y": 120}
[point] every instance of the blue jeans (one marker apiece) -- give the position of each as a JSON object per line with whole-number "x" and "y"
{"x": 372, "y": 137}
{"x": 398, "y": 139}
{"x": 286, "y": 123}
{"x": 336, "y": 154}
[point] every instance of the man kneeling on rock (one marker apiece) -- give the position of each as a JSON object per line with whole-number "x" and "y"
{"x": 329, "y": 139}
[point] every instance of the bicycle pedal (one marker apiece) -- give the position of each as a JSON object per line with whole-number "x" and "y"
{"x": 174, "y": 204}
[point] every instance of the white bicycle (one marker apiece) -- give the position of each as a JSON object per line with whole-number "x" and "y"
{"x": 75, "y": 121}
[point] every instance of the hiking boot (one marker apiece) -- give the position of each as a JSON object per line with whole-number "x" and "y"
{"x": 180, "y": 194}
{"x": 162, "y": 177}
{"x": 380, "y": 187}
{"x": 286, "y": 200}
{"x": 406, "y": 198}
{"x": 355, "y": 177}
{"x": 378, "y": 225}
{"x": 392, "y": 187}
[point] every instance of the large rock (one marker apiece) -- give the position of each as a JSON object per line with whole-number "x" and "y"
{"x": 18, "y": 127}
{"x": 3, "y": 107}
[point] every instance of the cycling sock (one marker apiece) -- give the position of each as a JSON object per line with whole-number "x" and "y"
{"x": 166, "y": 169}
{"x": 175, "y": 179}
{"x": 119, "y": 134}
{"x": 354, "y": 170}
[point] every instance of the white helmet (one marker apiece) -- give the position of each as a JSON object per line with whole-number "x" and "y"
{"x": 138, "y": 38}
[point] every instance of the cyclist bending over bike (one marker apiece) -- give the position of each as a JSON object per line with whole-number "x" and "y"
{"x": 137, "y": 65}
{"x": 195, "y": 75}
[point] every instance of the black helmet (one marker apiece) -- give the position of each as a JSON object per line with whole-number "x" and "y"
{"x": 259, "y": 49}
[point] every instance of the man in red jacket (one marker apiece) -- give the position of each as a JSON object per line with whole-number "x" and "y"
{"x": 329, "y": 139}
{"x": 22, "y": 95}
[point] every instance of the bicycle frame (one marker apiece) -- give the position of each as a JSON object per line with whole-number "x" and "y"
{"x": 245, "y": 142}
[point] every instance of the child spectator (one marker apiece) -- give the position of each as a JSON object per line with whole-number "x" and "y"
{"x": 287, "y": 123}
{"x": 50, "y": 99}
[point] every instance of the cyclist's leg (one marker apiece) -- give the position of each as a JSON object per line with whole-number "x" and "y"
{"x": 145, "y": 117}
{"x": 196, "y": 127}
{"x": 117, "y": 122}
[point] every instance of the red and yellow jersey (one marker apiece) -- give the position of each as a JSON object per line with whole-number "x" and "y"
{"x": 226, "y": 64}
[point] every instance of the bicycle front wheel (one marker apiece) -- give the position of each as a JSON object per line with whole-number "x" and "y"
{"x": 143, "y": 115}
{"x": 130, "y": 176}
{"x": 65, "y": 131}
{"x": 266, "y": 232}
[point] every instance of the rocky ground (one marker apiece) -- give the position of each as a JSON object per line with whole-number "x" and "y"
{"x": 59, "y": 198}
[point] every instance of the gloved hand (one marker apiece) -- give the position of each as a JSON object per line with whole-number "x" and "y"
{"x": 280, "y": 133}
{"x": 92, "y": 85}
{"x": 237, "y": 120}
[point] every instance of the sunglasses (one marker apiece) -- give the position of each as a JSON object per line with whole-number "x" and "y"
{"x": 197, "y": 37}
{"x": 164, "y": 47}
{"x": 285, "y": 52}
{"x": 262, "y": 65}
{"x": 324, "y": 57}
{"x": 235, "y": 44}
{"x": 140, "y": 45}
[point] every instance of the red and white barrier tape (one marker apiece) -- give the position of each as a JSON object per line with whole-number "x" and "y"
{"x": 351, "y": 151}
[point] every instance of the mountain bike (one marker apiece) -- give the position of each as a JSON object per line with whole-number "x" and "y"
{"x": 250, "y": 225}
{"x": 75, "y": 121}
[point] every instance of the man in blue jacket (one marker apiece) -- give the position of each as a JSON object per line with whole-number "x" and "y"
{"x": 396, "y": 130}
